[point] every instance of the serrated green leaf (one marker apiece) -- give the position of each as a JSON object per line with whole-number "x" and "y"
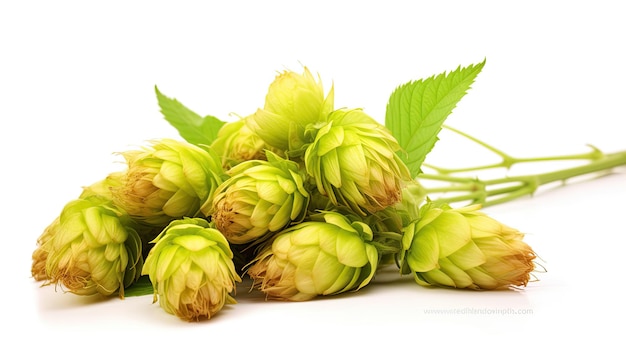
{"x": 143, "y": 286}
{"x": 191, "y": 126}
{"x": 211, "y": 127}
{"x": 417, "y": 110}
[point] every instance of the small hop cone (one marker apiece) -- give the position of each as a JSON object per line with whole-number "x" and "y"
{"x": 93, "y": 248}
{"x": 259, "y": 198}
{"x": 170, "y": 180}
{"x": 353, "y": 162}
{"x": 236, "y": 143}
{"x": 316, "y": 258}
{"x": 293, "y": 101}
{"x": 104, "y": 186}
{"x": 191, "y": 269}
{"x": 465, "y": 248}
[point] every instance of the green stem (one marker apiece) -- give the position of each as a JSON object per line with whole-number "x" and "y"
{"x": 488, "y": 192}
{"x": 608, "y": 162}
{"x": 507, "y": 160}
{"x": 388, "y": 242}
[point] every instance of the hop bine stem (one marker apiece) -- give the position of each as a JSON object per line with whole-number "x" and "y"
{"x": 490, "y": 192}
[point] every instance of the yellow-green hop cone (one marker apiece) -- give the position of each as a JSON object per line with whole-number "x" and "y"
{"x": 236, "y": 143}
{"x": 94, "y": 248}
{"x": 191, "y": 269}
{"x": 260, "y": 197}
{"x": 353, "y": 161}
{"x": 316, "y": 258}
{"x": 104, "y": 187}
{"x": 169, "y": 180}
{"x": 465, "y": 248}
{"x": 293, "y": 101}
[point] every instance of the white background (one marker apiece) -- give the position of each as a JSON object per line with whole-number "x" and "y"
{"x": 77, "y": 85}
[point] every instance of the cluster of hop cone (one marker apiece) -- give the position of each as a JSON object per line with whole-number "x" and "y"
{"x": 305, "y": 199}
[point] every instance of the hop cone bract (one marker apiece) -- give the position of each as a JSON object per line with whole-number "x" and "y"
{"x": 40, "y": 254}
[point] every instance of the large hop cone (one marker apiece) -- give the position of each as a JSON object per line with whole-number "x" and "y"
{"x": 169, "y": 180}
{"x": 316, "y": 258}
{"x": 353, "y": 161}
{"x": 259, "y": 198}
{"x": 293, "y": 101}
{"x": 465, "y": 248}
{"x": 92, "y": 247}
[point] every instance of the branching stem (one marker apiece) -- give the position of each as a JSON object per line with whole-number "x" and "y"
{"x": 496, "y": 191}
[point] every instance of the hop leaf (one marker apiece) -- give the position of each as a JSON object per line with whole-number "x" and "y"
{"x": 417, "y": 110}
{"x": 192, "y": 127}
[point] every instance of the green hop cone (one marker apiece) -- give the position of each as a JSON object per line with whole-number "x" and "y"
{"x": 353, "y": 161}
{"x": 293, "y": 101}
{"x": 465, "y": 248}
{"x": 316, "y": 258}
{"x": 259, "y": 198}
{"x": 191, "y": 269}
{"x": 92, "y": 247}
{"x": 236, "y": 143}
{"x": 170, "y": 180}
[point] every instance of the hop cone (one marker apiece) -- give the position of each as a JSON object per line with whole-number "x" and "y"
{"x": 353, "y": 161}
{"x": 260, "y": 197}
{"x": 168, "y": 181}
{"x": 100, "y": 188}
{"x": 316, "y": 258}
{"x": 293, "y": 101}
{"x": 92, "y": 248}
{"x": 191, "y": 269}
{"x": 464, "y": 248}
{"x": 236, "y": 143}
